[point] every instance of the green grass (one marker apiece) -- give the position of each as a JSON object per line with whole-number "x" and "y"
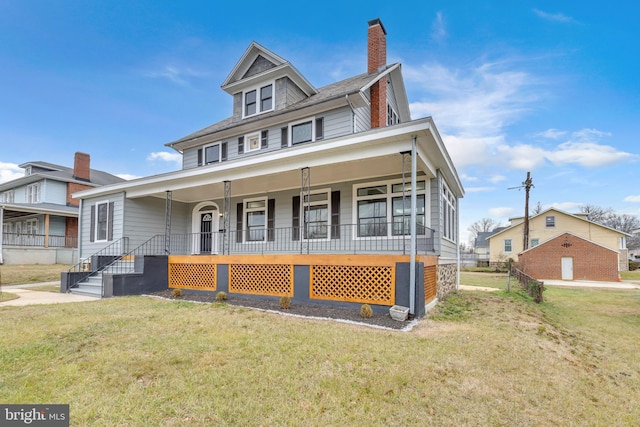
{"x": 31, "y": 273}
{"x": 7, "y": 296}
{"x": 486, "y": 279}
{"x": 481, "y": 358}
{"x": 631, "y": 275}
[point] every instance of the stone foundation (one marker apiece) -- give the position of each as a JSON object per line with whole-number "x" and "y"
{"x": 447, "y": 279}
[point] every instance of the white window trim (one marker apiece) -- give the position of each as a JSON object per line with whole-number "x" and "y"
{"x": 247, "y": 137}
{"x": 389, "y": 196}
{"x": 95, "y": 230}
{"x": 546, "y": 222}
{"x": 31, "y": 226}
{"x": 444, "y": 194}
{"x": 32, "y": 193}
{"x": 245, "y": 222}
{"x": 297, "y": 122}
{"x": 504, "y": 246}
{"x": 303, "y": 205}
{"x": 258, "y": 100}
{"x": 204, "y": 153}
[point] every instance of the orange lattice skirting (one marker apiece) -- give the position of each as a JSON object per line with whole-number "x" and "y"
{"x": 360, "y": 279}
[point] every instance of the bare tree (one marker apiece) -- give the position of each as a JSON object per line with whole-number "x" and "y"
{"x": 596, "y": 213}
{"x": 482, "y": 225}
{"x": 621, "y": 222}
{"x": 537, "y": 209}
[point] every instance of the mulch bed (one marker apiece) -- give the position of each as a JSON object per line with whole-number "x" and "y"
{"x": 379, "y": 320}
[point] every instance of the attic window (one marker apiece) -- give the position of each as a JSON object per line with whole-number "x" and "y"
{"x": 392, "y": 116}
{"x": 258, "y": 100}
{"x": 550, "y": 221}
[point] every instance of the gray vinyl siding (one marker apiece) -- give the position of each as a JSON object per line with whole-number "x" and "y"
{"x": 336, "y": 123}
{"x": 391, "y": 99}
{"x": 287, "y": 93}
{"x": 363, "y": 119}
{"x": 88, "y": 248}
{"x": 145, "y": 218}
{"x": 53, "y": 192}
{"x": 447, "y": 250}
{"x": 57, "y": 225}
{"x": 436, "y": 212}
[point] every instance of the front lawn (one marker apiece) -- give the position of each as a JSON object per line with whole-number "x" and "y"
{"x": 480, "y": 359}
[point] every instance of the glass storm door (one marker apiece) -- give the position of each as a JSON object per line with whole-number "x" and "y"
{"x": 206, "y": 227}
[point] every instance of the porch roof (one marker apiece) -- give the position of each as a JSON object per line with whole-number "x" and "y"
{"x": 370, "y": 154}
{"x": 16, "y": 210}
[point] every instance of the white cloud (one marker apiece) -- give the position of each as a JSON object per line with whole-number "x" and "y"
{"x": 555, "y": 17}
{"x": 523, "y": 156}
{"x": 478, "y": 189}
{"x": 165, "y": 157}
{"x": 468, "y": 178}
{"x": 501, "y": 212}
{"x": 497, "y": 178}
{"x": 633, "y": 199}
{"x": 438, "y": 28}
{"x": 571, "y": 207}
{"x": 10, "y": 171}
{"x": 180, "y": 76}
{"x": 127, "y": 176}
{"x": 552, "y": 134}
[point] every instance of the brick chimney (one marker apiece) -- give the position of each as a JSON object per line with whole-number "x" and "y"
{"x": 377, "y": 58}
{"x": 81, "y": 167}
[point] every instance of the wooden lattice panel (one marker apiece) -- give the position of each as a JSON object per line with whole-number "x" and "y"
{"x": 430, "y": 280}
{"x": 361, "y": 284}
{"x": 267, "y": 279}
{"x": 193, "y": 276}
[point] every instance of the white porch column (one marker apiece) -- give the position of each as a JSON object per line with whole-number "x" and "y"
{"x": 414, "y": 226}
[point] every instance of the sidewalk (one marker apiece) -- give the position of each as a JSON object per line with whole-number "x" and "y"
{"x": 591, "y": 284}
{"x": 28, "y": 297}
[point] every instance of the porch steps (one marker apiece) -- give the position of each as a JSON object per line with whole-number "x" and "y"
{"x": 92, "y": 286}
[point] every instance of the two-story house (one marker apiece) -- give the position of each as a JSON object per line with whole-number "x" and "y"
{"x": 38, "y": 215}
{"x": 562, "y": 246}
{"x": 330, "y": 195}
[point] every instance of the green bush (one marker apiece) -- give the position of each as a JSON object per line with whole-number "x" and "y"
{"x": 366, "y": 311}
{"x": 633, "y": 265}
{"x": 285, "y": 302}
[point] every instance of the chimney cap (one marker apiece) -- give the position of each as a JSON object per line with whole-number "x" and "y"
{"x": 378, "y": 21}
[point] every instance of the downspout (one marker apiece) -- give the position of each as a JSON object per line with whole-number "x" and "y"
{"x": 414, "y": 203}
{"x": 353, "y": 114}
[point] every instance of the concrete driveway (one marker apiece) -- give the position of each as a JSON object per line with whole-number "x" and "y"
{"x": 625, "y": 284}
{"x": 29, "y": 297}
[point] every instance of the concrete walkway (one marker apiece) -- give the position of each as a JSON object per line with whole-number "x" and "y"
{"x": 625, "y": 284}
{"x": 29, "y": 297}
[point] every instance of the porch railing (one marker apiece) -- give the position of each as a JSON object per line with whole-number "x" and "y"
{"x": 39, "y": 240}
{"x": 345, "y": 238}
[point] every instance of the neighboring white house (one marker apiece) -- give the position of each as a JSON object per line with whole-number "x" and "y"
{"x": 38, "y": 215}
{"x": 329, "y": 195}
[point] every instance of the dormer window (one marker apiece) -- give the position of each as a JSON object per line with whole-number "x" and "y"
{"x": 258, "y": 100}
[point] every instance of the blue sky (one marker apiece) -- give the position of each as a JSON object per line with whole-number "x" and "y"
{"x": 542, "y": 86}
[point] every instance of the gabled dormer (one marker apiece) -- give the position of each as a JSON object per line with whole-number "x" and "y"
{"x": 262, "y": 82}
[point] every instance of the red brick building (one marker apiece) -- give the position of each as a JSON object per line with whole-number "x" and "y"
{"x": 569, "y": 257}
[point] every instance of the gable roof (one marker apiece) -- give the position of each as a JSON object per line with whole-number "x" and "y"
{"x": 578, "y": 217}
{"x": 59, "y": 173}
{"x": 346, "y": 91}
{"x": 546, "y": 242}
{"x": 259, "y": 64}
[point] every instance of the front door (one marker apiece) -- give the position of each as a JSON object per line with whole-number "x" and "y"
{"x": 567, "y": 268}
{"x": 206, "y": 227}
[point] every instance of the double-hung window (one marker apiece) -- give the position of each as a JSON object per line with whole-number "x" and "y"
{"x": 316, "y": 207}
{"x": 213, "y": 153}
{"x": 307, "y": 130}
{"x": 449, "y": 213}
{"x": 258, "y": 100}
{"x": 33, "y": 193}
{"x": 384, "y": 209}
{"x": 7, "y": 196}
{"x": 508, "y": 246}
{"x": 256, "y": 219}
{"x": 550, "y": 221}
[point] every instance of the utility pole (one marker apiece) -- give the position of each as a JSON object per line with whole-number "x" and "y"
{"x": 527, "y": 185}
